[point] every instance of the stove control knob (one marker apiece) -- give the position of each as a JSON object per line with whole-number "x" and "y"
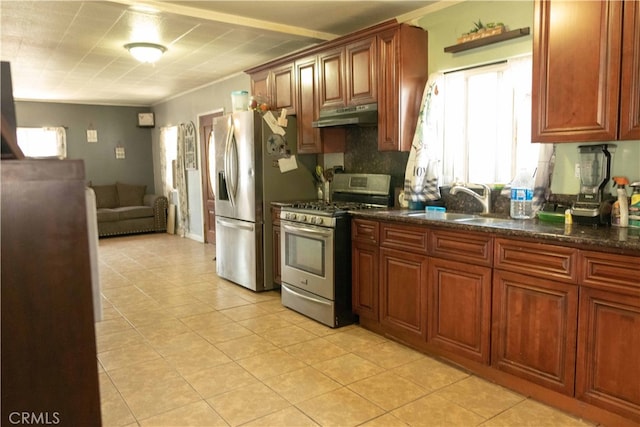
{"x": 291, "y": 216}
{"x": 303, "y": 218}
{"x": 318, "y": 220}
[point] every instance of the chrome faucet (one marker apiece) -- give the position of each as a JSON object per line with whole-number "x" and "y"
{"x": 484, "y": 198}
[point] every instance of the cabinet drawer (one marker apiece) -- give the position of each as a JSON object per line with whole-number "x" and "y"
{"x": 365, "y": 231}
{"x": 620, "y": 273}
{"x": 404, "y": 238}
{"x": 460, "y": 246}
{"x": 537, "y": 259}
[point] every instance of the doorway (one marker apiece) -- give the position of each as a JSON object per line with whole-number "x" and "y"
{"x": 208, "y": 195}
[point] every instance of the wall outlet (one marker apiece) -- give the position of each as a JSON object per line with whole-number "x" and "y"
{"x": 576, "y": 170}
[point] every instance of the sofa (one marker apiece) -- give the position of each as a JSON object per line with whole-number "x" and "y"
{"x": 127, "y": 209}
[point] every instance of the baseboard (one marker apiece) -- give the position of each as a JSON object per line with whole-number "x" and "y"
{"x": 195, "y": 237}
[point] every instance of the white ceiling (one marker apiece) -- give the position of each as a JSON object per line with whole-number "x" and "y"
{"x": 72, "y": 51}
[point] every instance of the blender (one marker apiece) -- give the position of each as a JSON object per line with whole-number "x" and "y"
{"x": 591, "y": 206}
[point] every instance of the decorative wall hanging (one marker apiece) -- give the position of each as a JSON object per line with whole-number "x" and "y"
{"x": 190, "y": 153}
{"x": 92, "y": 134}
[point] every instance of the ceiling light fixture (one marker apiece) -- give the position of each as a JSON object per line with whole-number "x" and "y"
{"x": 146, "y": 52}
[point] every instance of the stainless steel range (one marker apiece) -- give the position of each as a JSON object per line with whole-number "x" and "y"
{"x": 316, "y": 247}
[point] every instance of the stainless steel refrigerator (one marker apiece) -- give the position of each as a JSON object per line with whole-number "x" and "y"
{"x": 246, "y": 176}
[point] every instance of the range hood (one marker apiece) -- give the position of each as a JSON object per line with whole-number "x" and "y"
{"x": 360, "y": 115}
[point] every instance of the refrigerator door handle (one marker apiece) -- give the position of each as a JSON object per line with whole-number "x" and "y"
{"x": 228, "y": 171}
{"x": 236, "y": 225}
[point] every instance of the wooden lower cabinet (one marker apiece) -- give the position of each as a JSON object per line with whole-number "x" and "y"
{"x": 534, "y": 329}
{"x": 275, "y": 245}
{"x": 403, "y": 296}
{"x": 459, "y": 306}
{"x": 557, "y": 323}
{"x": 364, "y": 280}
{"x": 608, "y": 368}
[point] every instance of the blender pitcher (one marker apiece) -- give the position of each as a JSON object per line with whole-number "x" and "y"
{"x": 595, "y": 164}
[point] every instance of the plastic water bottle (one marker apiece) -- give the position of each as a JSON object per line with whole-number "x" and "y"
{"x": 522, "y": 195}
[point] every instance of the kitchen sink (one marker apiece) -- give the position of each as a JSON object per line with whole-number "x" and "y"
{"x": 466, "y": 218}
{"x": 483, "y": 220}
{"x": 439, "y": 216}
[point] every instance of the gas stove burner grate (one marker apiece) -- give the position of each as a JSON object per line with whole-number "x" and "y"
{"x": 331, "y": 206}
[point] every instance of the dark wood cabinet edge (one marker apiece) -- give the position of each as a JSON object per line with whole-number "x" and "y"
{"x": 520, "y": 32}
{"x": 321, "y": 47}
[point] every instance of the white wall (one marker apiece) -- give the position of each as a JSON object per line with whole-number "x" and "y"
{"x": 186, "y": 108}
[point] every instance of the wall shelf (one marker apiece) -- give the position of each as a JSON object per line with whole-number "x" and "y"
{"x": 520, "y": 32}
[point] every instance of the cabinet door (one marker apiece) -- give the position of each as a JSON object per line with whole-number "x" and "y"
{"x": 403, "y": 299}
{"x": 630, "y": 86}
{"x": 608, "y": 369}
{"x": 275, "y": 245}
{"x": 307, "y": 105}
{"x": 388, "y": 96}
{"x": 365, "y": 280}
{"x": 261, "y": 86}
{"x": 331, "y": 79}
{"x": 284, "y": 94}
{"x": 576, "y": 71}
{"x": 361, "y": 72}
{"x": 534, "y": 329}
{"x": 460, "y": 308}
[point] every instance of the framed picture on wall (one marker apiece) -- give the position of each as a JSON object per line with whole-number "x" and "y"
{"x": 190, "y": 154}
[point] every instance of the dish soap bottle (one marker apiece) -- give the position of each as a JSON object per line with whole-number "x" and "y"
{"x": 634, "y": 207}
{"x": 622, "y": 204}
{"x": 522, "y": 196}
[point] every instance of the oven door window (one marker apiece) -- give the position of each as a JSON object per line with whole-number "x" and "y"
{"x": 305, "y": 253}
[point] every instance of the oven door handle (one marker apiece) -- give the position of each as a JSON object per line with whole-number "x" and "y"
{"x": 308, "y": 231}
{"x": 299, "y": 295}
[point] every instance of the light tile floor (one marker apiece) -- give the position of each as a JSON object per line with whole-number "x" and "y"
{"x": 179, "y": 346}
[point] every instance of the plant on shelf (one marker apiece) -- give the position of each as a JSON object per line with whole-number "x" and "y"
{"x": 481, "y": 30}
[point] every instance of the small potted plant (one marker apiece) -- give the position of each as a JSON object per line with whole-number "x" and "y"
{"x": 493, "y": 29}
{"x": 481, "y": 30}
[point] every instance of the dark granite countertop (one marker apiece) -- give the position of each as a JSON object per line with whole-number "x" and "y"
{"x": 609, "y": 239}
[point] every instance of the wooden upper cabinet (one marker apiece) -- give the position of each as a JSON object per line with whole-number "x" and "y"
{"x": 276, "y": 87}
{"x": 307, "y": 105}
{"x": 386, "y": 64}
{"x": 331, "y": 79}
{"x": 284, "y": 88}
{"x": 261, "y": 86}
{"x": 348, "y": 75}
{"x": 361, "y": 72}
{"x": 630, "y": 86}
{"x": 402, "y": 75}
{"x": 577, "y": 50}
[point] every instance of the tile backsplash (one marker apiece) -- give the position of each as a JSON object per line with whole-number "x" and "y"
{"x": 362, "y": 156}
{"x": 625, "y": 161}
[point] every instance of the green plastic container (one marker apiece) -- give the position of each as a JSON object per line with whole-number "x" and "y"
{"x": 556, "y": 217}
